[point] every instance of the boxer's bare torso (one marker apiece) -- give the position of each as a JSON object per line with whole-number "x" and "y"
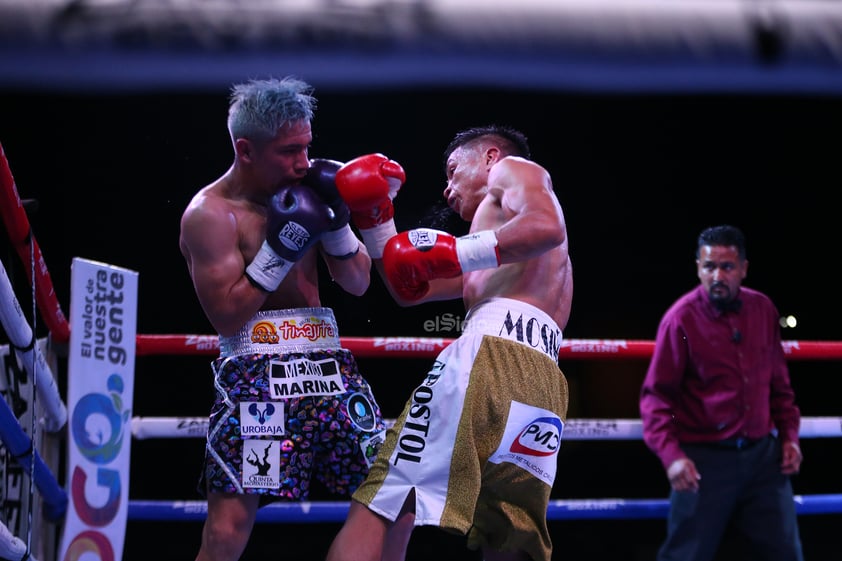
{"x": 521, "y": 207}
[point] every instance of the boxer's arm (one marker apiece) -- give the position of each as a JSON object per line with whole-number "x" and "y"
{"x": 416, "y": 259}
{"x": 208, "y": 242}
{"x": 346, "y": 257}
{"x": 536, "y": 223}
{"x": 352, "y": 274}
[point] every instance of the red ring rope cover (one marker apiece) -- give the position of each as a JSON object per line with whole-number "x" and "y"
{"x": 20, "y": 236}
{"x": 426, "y": 347}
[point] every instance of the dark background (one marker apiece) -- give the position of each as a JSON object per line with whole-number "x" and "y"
{"x": 638, "y": 176}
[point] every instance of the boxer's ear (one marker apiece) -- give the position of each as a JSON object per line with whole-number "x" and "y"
{"x": 492, "y": 154}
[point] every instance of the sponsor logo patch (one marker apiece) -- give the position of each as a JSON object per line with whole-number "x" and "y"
{"x": 261, "y": 467}
{"x": 531, "y": 441}
{"x": 361, "y": 412}
{"x": 304, "y": 377}
{"x": 261, "y": 418}
{"x": 371, "y": 445}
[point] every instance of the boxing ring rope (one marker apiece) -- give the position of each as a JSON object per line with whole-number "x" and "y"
{"x": 558, "y": 509}
{"x": 29, "y": 353}
{"x": 21, "y": 237}
{"x": 21, "y": 448}
{"x": 49, "y": 410}
{"x": 422, "y": 347}
{"x": 53, "y": 416}
{"x": 429, "y": 347}
{"x": 145, "y": 428}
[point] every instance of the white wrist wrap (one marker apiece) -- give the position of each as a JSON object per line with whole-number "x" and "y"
{"x": 268, "y": 268}
{"x": 341, "y": 242}
{"x": 375, "y": 238}
{"x": 477, "y": 251}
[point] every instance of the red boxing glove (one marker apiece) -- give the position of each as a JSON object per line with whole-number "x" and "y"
{"x": 412, "y": 259}
{"x": 368, "y": 184}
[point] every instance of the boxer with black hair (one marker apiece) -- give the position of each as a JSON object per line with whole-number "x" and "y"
{"x": 474, "y": 451}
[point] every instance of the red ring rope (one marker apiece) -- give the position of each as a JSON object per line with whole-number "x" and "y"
{"x": 428, "y": 347}
{"x": 21, "y": 237}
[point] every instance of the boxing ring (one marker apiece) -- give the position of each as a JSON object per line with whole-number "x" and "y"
{"x": 420, "y": 347}
{"x": 21, "y": 438}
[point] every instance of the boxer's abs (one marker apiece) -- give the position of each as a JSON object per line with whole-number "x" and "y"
{"x": 550, "y": 292}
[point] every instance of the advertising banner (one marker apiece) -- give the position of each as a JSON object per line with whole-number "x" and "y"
{"x": 100, "y": 388}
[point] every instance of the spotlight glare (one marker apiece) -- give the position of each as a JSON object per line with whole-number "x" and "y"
{"x": 788, "y": 321}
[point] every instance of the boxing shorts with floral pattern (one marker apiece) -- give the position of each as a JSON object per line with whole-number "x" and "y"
{"x": 291, "y": 406}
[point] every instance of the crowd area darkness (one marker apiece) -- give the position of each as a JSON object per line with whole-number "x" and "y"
{"x": 638, "y": 176}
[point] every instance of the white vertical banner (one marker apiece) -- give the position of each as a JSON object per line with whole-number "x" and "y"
{"x": 100, "y": 388}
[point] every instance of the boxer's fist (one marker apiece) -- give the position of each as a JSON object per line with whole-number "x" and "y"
{"x": 296, "y": 218}
{"x": 340, "y": 240}
{"x": 368, "y": 184}
{"x": 321, "y": 178}
{"x": 412, "y": 259}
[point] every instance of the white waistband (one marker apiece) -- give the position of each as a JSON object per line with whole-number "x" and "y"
{"x": 277, "y": 331}
{"x": 516, "y": 321}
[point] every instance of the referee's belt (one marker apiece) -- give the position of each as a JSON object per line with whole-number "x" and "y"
{"x": 736, "y": 443}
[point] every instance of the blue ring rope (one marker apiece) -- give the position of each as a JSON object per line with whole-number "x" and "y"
{"x": 559, "y": 509}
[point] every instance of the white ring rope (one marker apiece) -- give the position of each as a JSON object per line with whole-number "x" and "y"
{"x": 11, "y": 546}
{"x": 574, "y": 429}
{"x": 29, "y": 353}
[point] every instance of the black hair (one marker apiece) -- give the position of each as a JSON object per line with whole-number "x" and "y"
{"x": 723, "y": 235}
{"x": 512, "y": 142}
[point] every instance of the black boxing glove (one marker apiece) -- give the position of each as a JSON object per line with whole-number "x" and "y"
{"x": 295, "y": 220}
{"x": 339, "y": 241}
{"x": 321, "y": 177}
